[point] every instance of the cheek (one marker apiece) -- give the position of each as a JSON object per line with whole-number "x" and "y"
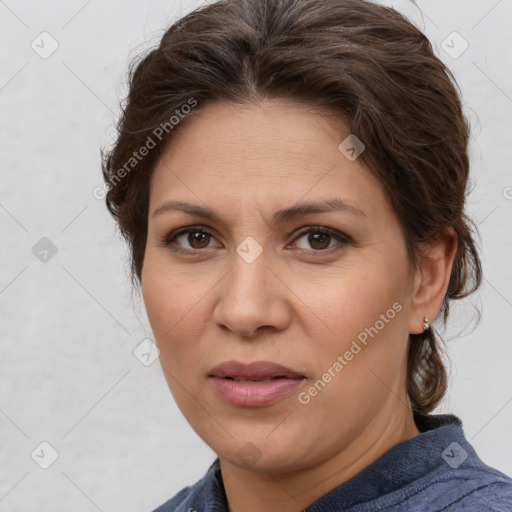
{"x": 354, "y": 300}
{"x": 166, "y": 301}
{"x": 364, "y": 320}
{"x": 177, "y": 310}
{"x": 174, "y": 312}
{"x": 157, "y": 295}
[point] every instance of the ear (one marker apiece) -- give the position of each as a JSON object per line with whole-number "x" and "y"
{"x": 431, "y": 279}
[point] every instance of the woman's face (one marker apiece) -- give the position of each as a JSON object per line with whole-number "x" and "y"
{"x": 323, "y": 291}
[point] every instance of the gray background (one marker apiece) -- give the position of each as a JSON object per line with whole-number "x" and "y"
{"x": 69, "y": 325}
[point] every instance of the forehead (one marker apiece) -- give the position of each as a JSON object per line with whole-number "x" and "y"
{"x": 253, "y": 135}
{"x": 270, "y": 154}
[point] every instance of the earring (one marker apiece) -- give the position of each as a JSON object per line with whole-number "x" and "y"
{"x": 425, "y": 323}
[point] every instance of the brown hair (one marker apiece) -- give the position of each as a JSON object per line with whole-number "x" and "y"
{"x": 353, "y": 58}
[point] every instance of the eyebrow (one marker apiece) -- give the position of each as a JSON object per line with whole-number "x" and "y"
{"x": 279, "y": 217}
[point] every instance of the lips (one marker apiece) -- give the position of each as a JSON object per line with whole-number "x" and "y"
{"x": 257, "y": 384}
{"x": 259, "y": 370}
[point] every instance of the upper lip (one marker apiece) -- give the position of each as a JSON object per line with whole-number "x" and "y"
{"x": 253, "y": 371}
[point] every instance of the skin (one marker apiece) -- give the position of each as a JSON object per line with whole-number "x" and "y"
{"x": 297, "y": 304}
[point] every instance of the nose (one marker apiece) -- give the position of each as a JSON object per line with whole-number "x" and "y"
{"x": 252, "y": 298}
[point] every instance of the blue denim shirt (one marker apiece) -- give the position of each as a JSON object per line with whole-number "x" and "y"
{"x": 436, "y": 470}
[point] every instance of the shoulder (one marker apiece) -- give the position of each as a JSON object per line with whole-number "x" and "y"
{"x": 440, "y": 471}
{"x": 206, "y": 494}
{"x": 472, "y": 486}
{"x": 493, "y": 497}
{"x": 180, "y": 500}
{"x": 484, "y": 490}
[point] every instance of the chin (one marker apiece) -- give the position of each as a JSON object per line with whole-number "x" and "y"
{"x": 259, "y": 451}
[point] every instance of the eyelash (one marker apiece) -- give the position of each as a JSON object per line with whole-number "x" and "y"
{"x": 338, "y": 236}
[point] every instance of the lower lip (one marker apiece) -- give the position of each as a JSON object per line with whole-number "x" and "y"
{"x": 255, "y": 394}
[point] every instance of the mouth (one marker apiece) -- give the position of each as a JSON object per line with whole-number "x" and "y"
{"x": 257, "y": 384}
{"x": 268, "y": 379}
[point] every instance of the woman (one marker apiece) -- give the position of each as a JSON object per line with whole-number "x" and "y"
{"x": 291, "y": 178}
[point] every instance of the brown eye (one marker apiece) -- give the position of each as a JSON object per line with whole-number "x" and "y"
{"x": 320, "y": 239}
{"x": 198, "y": 239}
{"x": 189, "y": 240}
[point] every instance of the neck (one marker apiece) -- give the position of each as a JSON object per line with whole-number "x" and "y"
{"x": 251, "y": 491}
